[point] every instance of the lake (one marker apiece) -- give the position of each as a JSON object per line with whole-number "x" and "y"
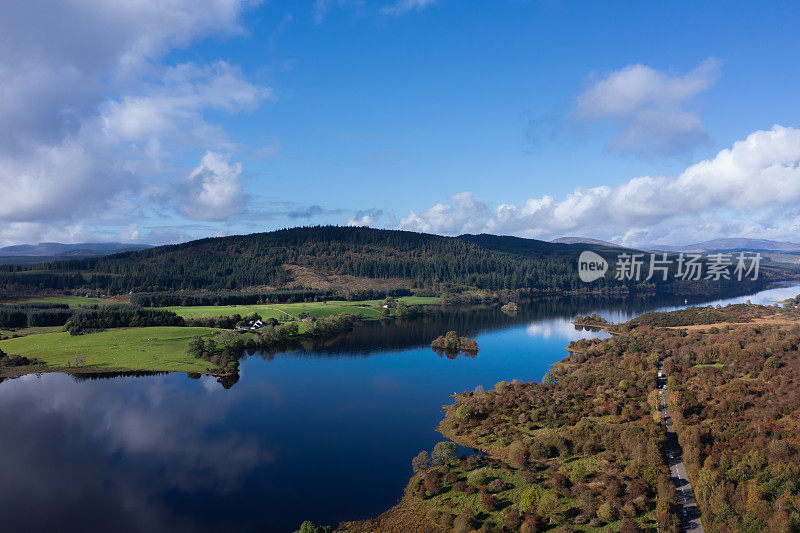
{"x": 324, "y": 432}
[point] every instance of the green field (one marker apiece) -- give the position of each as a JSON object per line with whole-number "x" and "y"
{"x": 157, "y": 348}
{"x": 21, "y": 332}
{"x": 72, "y": 301}
{"x": 368, "y": 308}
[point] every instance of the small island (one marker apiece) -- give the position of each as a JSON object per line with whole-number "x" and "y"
{"x": 451, "y": 344}
{"x": 511, "y": 308}
{"x": 591, "y": 322}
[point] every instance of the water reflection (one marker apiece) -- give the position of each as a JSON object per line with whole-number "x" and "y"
{"x": 324, "y": 431}
{"x": 109, "y": 454}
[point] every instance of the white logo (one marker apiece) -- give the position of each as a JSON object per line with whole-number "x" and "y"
{"x": 591, "y": 266}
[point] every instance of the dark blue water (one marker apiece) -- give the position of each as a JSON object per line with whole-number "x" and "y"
{"x": 324, "y": 432}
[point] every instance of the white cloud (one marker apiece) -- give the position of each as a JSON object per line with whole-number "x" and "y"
{"x": 363, "y": 220}
{"x": 130, "y": 233}
{"x": 367, "y": 217}
{"x": 184, "y": 91}
{"x": 92, "y": 120}
{"x": 750, "y": 189}
{"x": 213, "y": 190}
{"x": 33, "y": 232}
{"x": 403, "y": 6}
{"x": 321, "y": 8}
{"x": 648, "y": 107}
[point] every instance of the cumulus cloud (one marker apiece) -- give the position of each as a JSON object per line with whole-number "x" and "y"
{"x": 750, "y": 189}
{"x": 213, "y": 190}
{"x": 648, "y": 107}
{"x": 181, "y": 95}
{"x": 92, "y": 118}
{"x": 366, "y": 217}
{"x": 465, "y": 214}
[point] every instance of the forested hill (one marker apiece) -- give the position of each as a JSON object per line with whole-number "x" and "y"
{"x": 336, "y": 255}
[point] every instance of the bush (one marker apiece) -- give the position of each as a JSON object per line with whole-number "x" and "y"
{"x": 434, "y": 515}
{"x": 478, "y": 478}
{"x": 488, "y": 500}
{"x": 498, "y": 485}
{"x": 607, "y": 512}
{"x": 464, "y": 412}
{"x": 629, "y": 525}
{"x": 433, "y": 482}
{"x": 444, "y": 453}
{"x": 513, "y": 519}
{"x": 465, "y": 522}
{"x": 530, "y": 498}
{"x": 518, "y": 454}
{"x": 17, "y": 360}
{"x": 421, "y": 462}
{"x": 310, "y": 527}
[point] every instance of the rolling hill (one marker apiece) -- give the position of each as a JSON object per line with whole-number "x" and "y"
{"x": 55, "y": 251}
{"x": 584, "y": 240}
{"x": 329, "y": 257}
{"x": 755, "y": 245}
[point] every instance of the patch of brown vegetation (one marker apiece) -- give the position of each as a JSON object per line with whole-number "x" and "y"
{"x": 408, "y": 516}
{"x": 773, "y": 320}
{"x": 302, "y": 276}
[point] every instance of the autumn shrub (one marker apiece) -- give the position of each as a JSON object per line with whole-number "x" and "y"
{"x": 607, "y": 512}
{"x": 498, "y": 485}
{"x": 478, "y": 477}
{"x": 512, "y": 519}
{"x": 433, "y": 482}
{"x": 518, "y": 454}
{"x": 465, "y": 522}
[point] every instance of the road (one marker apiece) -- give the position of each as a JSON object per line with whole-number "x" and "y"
{"x": 687, "y": 506}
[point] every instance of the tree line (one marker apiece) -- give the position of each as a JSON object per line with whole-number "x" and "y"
{"x": 226, "y": 348}
{"x": 197, "y": 298}
{"x": 120, "y": 316}
{"x": 235, "y": 263}
{"x": 34, "y": 315}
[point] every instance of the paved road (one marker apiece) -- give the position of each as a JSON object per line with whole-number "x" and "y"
{"x": 687, "y": 506}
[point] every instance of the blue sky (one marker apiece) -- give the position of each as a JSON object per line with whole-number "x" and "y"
{"x": 165, "y": 121}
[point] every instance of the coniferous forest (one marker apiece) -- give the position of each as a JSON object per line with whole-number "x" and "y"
{"x": 411, "y": 260}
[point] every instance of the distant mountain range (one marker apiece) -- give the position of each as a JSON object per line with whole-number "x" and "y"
{"x": 736, "y": 244}
{"x": 762, "y": 245}
{"x": 56, "y": 251}
{"x": 584, "y": 240}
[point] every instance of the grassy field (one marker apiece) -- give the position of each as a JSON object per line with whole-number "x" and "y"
{"x": 72, "y": 301}
{"x": 157, "y": 348}
{"x": 368, "y": 308}
{"x": 22, "y": 332}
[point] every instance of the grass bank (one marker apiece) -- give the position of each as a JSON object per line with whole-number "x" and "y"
{"x": 368, "y": 308}
{"x": 72, "y": 301}
{"x": 148, "y": 349}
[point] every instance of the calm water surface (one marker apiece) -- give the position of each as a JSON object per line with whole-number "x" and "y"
{"x": 324, "y": 432}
